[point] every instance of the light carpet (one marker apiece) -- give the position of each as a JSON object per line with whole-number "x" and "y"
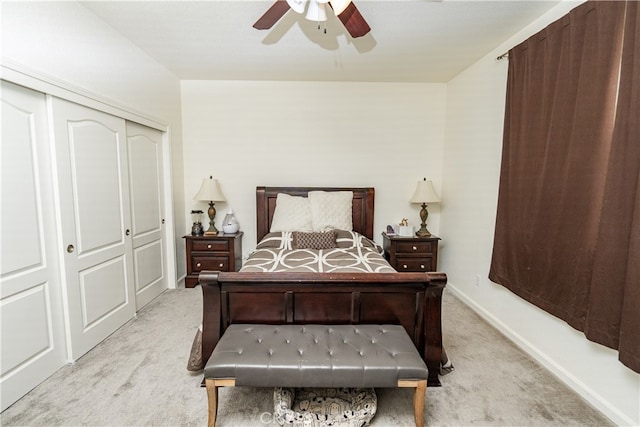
{"x": 138, "y": 377}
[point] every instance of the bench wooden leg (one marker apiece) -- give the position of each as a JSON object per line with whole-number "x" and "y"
{"x": 418, "y": 402}
{"x": 212, "y": 394}
{"x": 418, "y": 398}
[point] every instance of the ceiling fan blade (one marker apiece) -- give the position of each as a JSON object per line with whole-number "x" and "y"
{"x": 353, "y": 21}
{"x": 271, "y": 16}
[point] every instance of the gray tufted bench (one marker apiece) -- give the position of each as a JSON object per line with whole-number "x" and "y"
{"x": 316, "y": 356}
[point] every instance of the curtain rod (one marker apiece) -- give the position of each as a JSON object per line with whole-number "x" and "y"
{"x": 503, "y": 56}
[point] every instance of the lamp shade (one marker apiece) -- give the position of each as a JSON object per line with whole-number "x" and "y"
{"x": 316, "y": 11}
{"x": 210, "y": 191}
{"x": 425, "y": 193}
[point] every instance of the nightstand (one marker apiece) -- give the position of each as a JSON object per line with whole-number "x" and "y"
{"x": 411, "y": 254}
{"x": 217, "y": 253}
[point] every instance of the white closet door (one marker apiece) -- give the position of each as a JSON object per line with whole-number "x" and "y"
{"x": 144, "y": 148}
{"x": 31, "y": 314}
{"x": 93, "y": 185}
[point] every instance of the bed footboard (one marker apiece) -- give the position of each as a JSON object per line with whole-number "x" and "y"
{"x": 412, "y": 300}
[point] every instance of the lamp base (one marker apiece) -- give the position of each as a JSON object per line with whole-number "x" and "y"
{"x": 212, "y": 230}
{"x": 424, "y": 214}
{"x": 423, "y": 232}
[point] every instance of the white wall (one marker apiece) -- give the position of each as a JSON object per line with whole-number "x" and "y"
{"x": 472, "y": 155}
{"x": 247, "y": 134}
{"x": 67, "y": 42}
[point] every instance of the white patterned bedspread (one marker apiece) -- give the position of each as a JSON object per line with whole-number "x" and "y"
{"x": 354, "y": 253}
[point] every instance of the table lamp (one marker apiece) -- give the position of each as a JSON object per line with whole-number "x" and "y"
{"x": 210, "y": 192}
{"x": 424, "y": 194}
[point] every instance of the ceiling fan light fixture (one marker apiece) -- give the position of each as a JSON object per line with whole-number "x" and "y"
{"x": 339, "y": 6}
{"x": 297, "y": 5}
{"x": 316, "y": 11}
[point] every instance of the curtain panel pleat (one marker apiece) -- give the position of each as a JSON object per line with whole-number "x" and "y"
{"x": 560, "y": 172}
{"x": 616, "y": 269}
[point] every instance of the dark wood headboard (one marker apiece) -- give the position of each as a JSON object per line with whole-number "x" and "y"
{"x": 363, "y": 204}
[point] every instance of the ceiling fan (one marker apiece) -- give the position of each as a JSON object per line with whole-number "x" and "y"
{"x": 345, "y": 10}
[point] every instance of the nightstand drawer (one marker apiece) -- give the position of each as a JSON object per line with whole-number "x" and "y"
{"x": 200, "y": 263}
{"x": 413, "y": 264}
{"x": 210, "y": 245}
{"x": 414, "y": 247}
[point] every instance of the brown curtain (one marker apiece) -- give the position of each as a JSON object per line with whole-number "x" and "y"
{"x": 567, "y": 222}
{"x": 616, "y": 272}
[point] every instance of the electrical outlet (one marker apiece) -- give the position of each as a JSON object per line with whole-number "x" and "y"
{"x": 478, "y": 279}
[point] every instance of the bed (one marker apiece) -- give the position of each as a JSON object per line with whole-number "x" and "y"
{"x": 264, "y": 294}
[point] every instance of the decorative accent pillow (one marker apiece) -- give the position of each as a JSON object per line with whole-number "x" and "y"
{"x": 292, "y": 213}
{"x": 331, "y": 210}
{"x": 321, "y": 240}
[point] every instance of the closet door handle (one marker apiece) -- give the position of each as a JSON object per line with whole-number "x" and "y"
{"x": 127, "y": 232}
{"x": 70, "y": 248}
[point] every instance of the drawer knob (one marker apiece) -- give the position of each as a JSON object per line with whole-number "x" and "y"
{"x": 208, "y": 246}
{"x": 221, "y": 265}
{"x": 415, "y": 249}
{"x": 422, "y": 266}
{"x": 198, "y": 265}
{"x": 404, "y": 266}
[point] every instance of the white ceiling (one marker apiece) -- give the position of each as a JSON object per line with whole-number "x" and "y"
{"x": 410, "y": 41}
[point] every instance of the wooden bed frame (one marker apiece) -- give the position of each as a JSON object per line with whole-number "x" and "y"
{"x": 412, "y": 300}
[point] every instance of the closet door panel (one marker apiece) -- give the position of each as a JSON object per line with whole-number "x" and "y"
{"x": 93, "y": 183}
{"x": 144, "y": 148}
{"x": 31, "y": 313}
{"x": 96, "y": 165}
{"x": 102, "y": 290}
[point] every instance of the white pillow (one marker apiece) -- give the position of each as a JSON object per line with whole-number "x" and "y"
{"x": 331, "y": 210}
{"x": 292, "y": 213}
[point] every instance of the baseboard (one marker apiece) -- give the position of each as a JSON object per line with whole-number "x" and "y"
{"x": 587, "y": 393}
{"x": 180, "y": 282}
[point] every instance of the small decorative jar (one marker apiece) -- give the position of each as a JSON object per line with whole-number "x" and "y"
{"x": 230, "y": 224}
{"x": 196, "y": 228}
